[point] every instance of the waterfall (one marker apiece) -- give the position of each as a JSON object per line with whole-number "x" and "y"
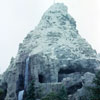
{"x": 26, "y": 73}
{"x": 20, "y": 95}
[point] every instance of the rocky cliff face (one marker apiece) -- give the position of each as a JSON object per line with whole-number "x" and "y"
{"x": 57, "y": 55}
{"x": 98, "y": 55}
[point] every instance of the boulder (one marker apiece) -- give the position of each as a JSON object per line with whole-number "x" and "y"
{"x": 84, "y": 93}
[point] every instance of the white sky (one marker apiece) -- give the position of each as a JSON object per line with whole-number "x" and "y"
{"x": 18, "y": 17}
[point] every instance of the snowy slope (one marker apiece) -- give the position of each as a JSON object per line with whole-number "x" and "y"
{"x": 56, "y": 35}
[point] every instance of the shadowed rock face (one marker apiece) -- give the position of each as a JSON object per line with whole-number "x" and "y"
{"x": 3, "y": 91}
{"x": 56, "y": 51}
{"x": 20, "y": 84}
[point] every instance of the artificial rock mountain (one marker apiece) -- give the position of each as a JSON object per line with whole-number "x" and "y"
{"x": 57, "y": 54}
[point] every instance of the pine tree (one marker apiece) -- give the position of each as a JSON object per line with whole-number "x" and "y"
{"x": 2, "y": 94}
{"x": 51, "y": 96}
{"x": 30, "y": 94}
{"x": 96, "y": 89}
{"x": 62, "y": 95}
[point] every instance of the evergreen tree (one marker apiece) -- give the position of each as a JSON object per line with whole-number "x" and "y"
{"x": 1, "y": 94}
{"x": 51, "y": 96}
{"x": 30, "y": 94}
{"x": 62, "y": 95}
{"x": 96, "y": 89}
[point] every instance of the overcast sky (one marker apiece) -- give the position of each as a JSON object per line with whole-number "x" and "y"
{"x": 18, "y": 17}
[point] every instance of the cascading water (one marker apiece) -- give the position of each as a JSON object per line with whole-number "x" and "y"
{"x": 26, "y": 73}
{"x": 20, "y": 95}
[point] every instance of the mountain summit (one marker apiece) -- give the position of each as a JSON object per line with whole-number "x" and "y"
{"x": 53, "y": 52}
{"x": 56, "y": 35}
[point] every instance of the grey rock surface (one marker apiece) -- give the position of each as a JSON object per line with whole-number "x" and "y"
{"x": 84, "y": 93}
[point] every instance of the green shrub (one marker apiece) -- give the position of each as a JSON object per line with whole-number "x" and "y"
{"x": 30, "y": 93}
{"x": 51, "y": 96}
{"x": 38, "y": 91}
{"x": 1, "y": 94}
{"x": 1, "y": 91}
{"x": 61, "y": 95}
{"x": 96, "y": 90}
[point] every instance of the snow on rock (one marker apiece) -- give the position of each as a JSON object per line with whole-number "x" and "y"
{"x": 56, "y": 35}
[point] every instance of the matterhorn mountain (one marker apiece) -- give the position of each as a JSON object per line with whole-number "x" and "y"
{"x": 53, "y": 54}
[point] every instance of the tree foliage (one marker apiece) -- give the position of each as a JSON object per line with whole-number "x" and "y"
{"x": 96, "y": 89}
{"x": 30, "y": 94}
{"x": 1, "y": 94}
{"x": 61, "y": 95}
{"x": 51, "y": 96}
